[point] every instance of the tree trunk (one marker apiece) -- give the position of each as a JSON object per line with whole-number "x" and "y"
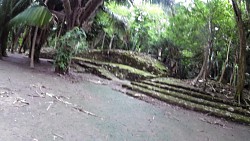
{"x": 242, "y": 54}
{"x": 3, "y": 41}
{"x": 90, "y": 10}
{"x": 33, "y": 49}
{"x": 68, "y": 11}
{"x": 0, "y": 51}
{"x": 111, "y": 43}
{"x": 203, "y": 72}
{"x": 159, "y": 53}
{"x": 97, "y": 40}
{"x": 15, "y": 39}
{"x": 225, "y": 63}
{"x": 235, "y": 70}
{"x": 25, "y": 39}
{"x": 103, "y": 40}
{"x": 207, "y": 51}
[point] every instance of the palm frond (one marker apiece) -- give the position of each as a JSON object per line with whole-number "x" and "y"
{"x": 10, "y": 8}
{"x": 35, "y": 15}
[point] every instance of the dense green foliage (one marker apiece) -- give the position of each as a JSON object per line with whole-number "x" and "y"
{"x": 140, "y": 27}
{"x": 189, "y": 30}
{"x": 68, "y": 45}
{"x": 180, "y": 34}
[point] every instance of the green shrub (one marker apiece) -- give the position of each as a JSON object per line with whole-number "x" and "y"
{"x": 73, "y": 42}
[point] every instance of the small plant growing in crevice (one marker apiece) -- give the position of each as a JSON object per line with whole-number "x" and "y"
{"x": 71, "y": 43}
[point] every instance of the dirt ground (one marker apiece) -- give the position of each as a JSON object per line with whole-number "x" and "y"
{"x": 38, "y": 105}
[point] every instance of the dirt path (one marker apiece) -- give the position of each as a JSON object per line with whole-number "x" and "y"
{"x": 29, "y": 113}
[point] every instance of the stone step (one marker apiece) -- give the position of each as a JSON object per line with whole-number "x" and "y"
{"x": 210, "y": 97}
{"x": 191, "y": 105}
{"x": 119, "y": 70}
{"x": 193, "y": 99}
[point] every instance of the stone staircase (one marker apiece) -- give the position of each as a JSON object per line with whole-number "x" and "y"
{"x": 175, "y": 92}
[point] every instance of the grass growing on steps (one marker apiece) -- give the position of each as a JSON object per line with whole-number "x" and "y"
{"x": 133, "y": 59}
{"x": 190, "y": 92}
{"x": 123, "y": 71}
{"x": 201, "y": 101}
{"x": 97, "y": 70}
{"x": 178, "y": 83}
{"x": 119, "y": 70}
{"x": 190, "y": 105}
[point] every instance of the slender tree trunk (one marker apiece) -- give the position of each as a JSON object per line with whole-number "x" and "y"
{"x": 159, "y": 53}
{"x": 25, "y": 39}
{"x": 103, "y": 40}
{"x": 225, "y": 63}
{"x": 33, "y": 49}
{"x": 207, "y": 51}
{"x": 4, "y": 40}
{"x": 235, "y": 70}
{"x": 97, "y": 40}
{"x": 12, "y": 44}
{"x": 203, "y": 70}
{"x": 68, "y": 12}
{"x": 242, "y": 54}
{"x": 111, "y": 43}
{"x": 16, "y": 37}
{"x": 40, "y": 40}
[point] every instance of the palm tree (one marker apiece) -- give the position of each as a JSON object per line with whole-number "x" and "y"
{"x": 8, "y": 10}
{"x": 35, "y": 15}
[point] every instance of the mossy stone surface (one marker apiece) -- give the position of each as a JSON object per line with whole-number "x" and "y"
{"x": 133, "y": 59}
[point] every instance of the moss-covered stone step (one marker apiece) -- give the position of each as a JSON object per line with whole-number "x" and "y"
{"x": 190, "y": 98}
{"x": 144, "y": 97}
{"x": 135, "y": 94}
{"x": 190, "y": 92}
{"x": 127, "y": 72}
{"x": 119, "y": 70}
{"x": 99, "y": 71}
{"x": 133, "y": 59}
{"x": 179, "y": 84}
{"x": 136, "y": 60}
{"x": 191, "y": 105}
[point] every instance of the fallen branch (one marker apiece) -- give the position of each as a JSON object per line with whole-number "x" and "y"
{"x": 57, "y": 135}
{"x": 22, "y": 101}
{"x": 40, "y": 95}
{"x": 84, "y": 111}
{"x": 58, "y": 98}
{"x": 49, "y": 105}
